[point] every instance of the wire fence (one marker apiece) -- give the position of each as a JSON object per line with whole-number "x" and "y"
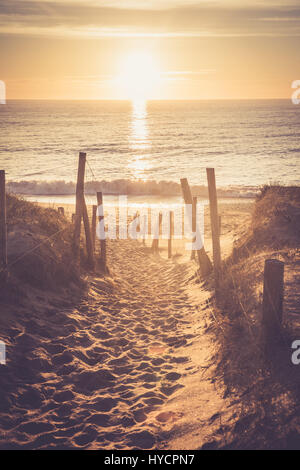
{"x": 44, "y": 172}
{"x": 46, "y": 240}
{"x": 90, "y": 174}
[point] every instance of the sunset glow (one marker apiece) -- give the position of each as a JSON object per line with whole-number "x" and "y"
{"x": 149, "y": 228}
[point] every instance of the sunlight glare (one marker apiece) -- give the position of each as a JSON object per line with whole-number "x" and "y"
{"x": 139, "y": 137}
{"x": 139, "y": 76}
{"x": 139, "y": 141}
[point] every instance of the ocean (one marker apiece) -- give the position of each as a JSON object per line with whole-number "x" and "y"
{"x": 144, "y": 148}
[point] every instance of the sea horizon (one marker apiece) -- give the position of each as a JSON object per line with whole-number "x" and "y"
{"x": 144, "y": 147}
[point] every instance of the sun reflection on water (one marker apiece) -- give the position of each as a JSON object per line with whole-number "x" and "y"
{"x": 139, "y": 141}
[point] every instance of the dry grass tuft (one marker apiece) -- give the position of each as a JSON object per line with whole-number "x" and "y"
{"x": 39, "y": 247}
{"x": 257, "y": 379}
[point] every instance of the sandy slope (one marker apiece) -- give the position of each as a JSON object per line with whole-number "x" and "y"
{"x": 134, "y": 362}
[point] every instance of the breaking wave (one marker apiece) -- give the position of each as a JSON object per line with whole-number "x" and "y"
{"x": 122, "y": 187}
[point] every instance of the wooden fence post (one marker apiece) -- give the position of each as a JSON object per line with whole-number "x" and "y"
{"x": 149, "y": 221}
{"x": 272, "y": 300}
{"x": 3, "y": 227}
{"x": 145, "y": 229}
{"x": 94, "y": 224}
{"x": 194, "y": 223}
{"x": 88, "y": 235}
{"x": 138, "y": 227}
{"x": 203, "y": 259}
{"x": 155, "y": 243}
{"x": 61, "y": 210}
{"x": 101, "y": 218}
{"x": 171, "y": 228}
{"x": 79, "y": 205}
{"x": 137, "y": 216}
{"x": 214, "y": 220}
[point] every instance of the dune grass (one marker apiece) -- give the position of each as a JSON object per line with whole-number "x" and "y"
{"x": 39, "y": 246}
{"x": 259, "y": 381}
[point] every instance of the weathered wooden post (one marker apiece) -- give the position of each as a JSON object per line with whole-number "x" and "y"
{"x": 203, "y": 259}
{"x": 155, "y": 243}
{"x": 214, "y": 220}
{"x": 171, "y": 231}
{"x": 138, "y": 228}
{"x": 272, "y": 300}
{"x": 61, "y": 210}
{"x": 3, "y": 228}
{"x": 159, "y": 228}
{"x": 101, "y": 220}
{"x": 194, "y": 223}
{"x": 149, "y": 221}
{"x": 137, "y": 216}
{"x": 79, "y": 205}
{"x": 88, "y": 235}
{"x": 94, "y": 226}
{"x": 145, "y": 229}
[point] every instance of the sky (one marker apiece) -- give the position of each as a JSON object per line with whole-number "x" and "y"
{"x": 155, "y": 49}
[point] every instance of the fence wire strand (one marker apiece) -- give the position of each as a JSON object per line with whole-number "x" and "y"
{"x": 9, "y": 265}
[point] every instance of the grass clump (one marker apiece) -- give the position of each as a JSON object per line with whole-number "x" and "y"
{"x": 39, "y": 246}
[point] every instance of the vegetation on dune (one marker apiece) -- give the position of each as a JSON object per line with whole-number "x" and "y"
{"x": 39, "y": 246}
{"x": 275, "y": 222}
{"x": 267, "y": 386}
{"x": 274, "y": 232}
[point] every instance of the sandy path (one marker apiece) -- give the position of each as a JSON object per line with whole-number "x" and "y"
{"x": 99, "y": 375}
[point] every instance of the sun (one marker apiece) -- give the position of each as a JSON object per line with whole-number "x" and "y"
{"x": 138, "y": 76}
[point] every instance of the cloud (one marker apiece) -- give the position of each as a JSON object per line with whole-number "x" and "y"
{"x": 133, "y": 4}
{"x": 163, "y": 18}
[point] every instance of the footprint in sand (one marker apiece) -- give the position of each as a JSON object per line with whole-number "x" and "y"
{"x": 86, "y": 437}
{"x": 100, "y": 419}
{"x": 119, "y": 362}
{"x": 65, "y": 395}
{"x": 157, "y": 348}
{"x": 104, "y": 404}
{"x": 170, "y": 389}
{"x": 94, "y": 380}
{"x": 142, "y": 440}
{"x": 180, "y": 359}
{"x": 35, "y": 427}
{"x": 148, "y": 377}
{"x": 62, "y": 359}
{"x": 31, "y": 399}
{"x": 172, "y": 376}
{"x": 54, "y": 348}
{"x": 139, "y": 416}
{"x": 168, "y": 416}
{"x": 100, "y": 333}
{"x": 64, "y": 410}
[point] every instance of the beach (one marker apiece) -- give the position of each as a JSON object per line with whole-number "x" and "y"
{"x": 149, "y": 228}
{"x": 128, "y": 360}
